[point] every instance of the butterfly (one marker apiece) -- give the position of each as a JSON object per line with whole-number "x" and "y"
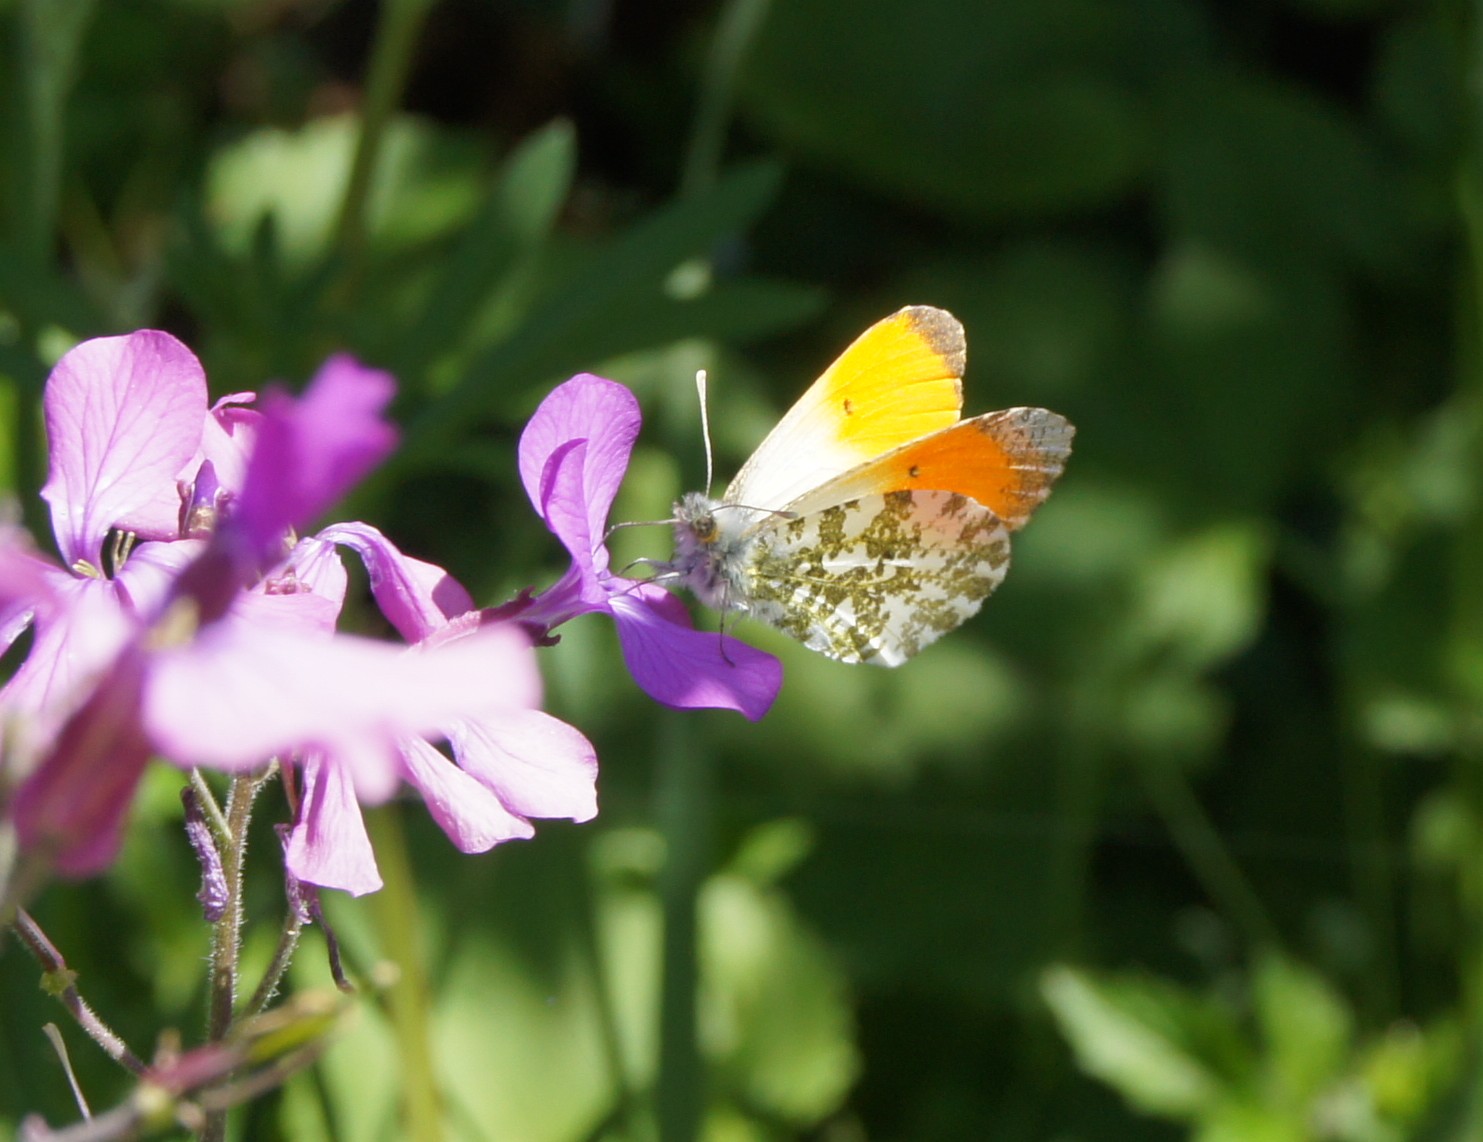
{"x": 872, "y": 520}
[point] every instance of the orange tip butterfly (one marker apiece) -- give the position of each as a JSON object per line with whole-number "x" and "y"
{"x": 872, "y": 520}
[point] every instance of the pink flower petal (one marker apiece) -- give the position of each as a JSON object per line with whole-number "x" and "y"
{"x": 685, "y": 668}
{"x": 240, "y": 693}
{"x": 470, "y": 814}
{"x": 72, "y": 808}
{"x": 586, "y": 408}
{"x": 310, "y": 451}
{"x": 564, "y": 507}
{"x": 307, "y": 590}
{"x": 145, "y": 581}
{"x": 228, "y": 437}
{"x": 303, "y": 612}
{"x": 539, "y": 766}
{"x": 417, "y": 598}
{"x": 123, "y": 417}
{"x": 26, "y": 580}
{"x": 77, "y": 637}
{"x": 328, "y": 845}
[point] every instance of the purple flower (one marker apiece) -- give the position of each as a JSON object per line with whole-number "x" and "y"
{"x": 216, "y": 651}
{"x": 127, "y": 425}
{"x": 573, "y": 455}
{"x": 508, "y": 766}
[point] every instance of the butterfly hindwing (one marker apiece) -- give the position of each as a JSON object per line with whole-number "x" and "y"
{"x": 1007, "y": 461}
{"x": 899, "y": 380}
{"x": 877, "y": 578}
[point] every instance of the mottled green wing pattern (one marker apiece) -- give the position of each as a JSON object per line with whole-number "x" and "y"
{"x": 877, "y": 578}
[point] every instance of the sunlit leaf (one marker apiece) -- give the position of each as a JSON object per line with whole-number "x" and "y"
{"x": 777, "y": 1013}
{"x": 1140, "y": 1037}
{"x": 1305, "y": 1026}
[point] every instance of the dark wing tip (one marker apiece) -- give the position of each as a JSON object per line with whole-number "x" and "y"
{"x": 943, "y": 334}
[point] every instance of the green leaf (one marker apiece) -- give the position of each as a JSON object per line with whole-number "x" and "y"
{"x": 1246, "y": 1121}
{"x": 613, "y": 302}
{"x": 1257, "y": 167}
{"x": 776, "y": 1013}
{"x": 426, "y": 180}
{"x": 1202, "y": 599}
{"x": 516, "y": 217}
{"x": 1244, "y": 372}
{"x": 51, "y": 34}
{"x": 978, "y": 110}
{"x": 1140, "y": 1038}
{"x": 1306, "y": 1026}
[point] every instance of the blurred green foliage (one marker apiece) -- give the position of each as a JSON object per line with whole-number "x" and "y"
{"x": 1182, "y": 837}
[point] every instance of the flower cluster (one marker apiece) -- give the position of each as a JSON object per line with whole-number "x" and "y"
{"x": 191, "y": 620}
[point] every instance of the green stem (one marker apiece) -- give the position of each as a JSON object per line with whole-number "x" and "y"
{"x": 685, "y": 807}
{"x": 51, "y": 33}
{"x": 386, "y": 79}
{"x": 1079, "y": 785}
{"x": 626, "y": 1113}
{"x": 288, "y": 943}
{"x": 740, "y": 21}
{"x": 61, "y": 982}
{"x": 407, "y": 1000}
{"x": 226, "y": 944}
{"x": 1467, "y": 605}
{"x": 1369, "y": 860}
{"x": 214, "y": 816}
{"x": 1206, "y": 854}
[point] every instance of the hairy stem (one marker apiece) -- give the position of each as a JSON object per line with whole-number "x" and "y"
{"x": 226, "y": 942}
{"x": 61, "y": 981}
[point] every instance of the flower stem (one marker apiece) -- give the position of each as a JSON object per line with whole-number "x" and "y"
{"x": 51, "y": 33}
{"x": 1467, "y": 605}
{"x": 1081, "y": 775}
{"x": 395, "y": 907}
{"x": 209, "y": 806}
{"x": 61, "y": 981}
{"x": 226, "y": 942}
{"x": 1206, "y": 854}
{"x": 684, "y": 807}
{"x": 288, "y": 942}
{"x": 228, "y": 934}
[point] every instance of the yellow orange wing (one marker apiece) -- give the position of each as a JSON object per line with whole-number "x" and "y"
{"x": 1006, "y": 461}
{"x": 899, "y": 380}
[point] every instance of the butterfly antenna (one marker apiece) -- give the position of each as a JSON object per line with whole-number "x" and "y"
{"x": 614, "y": 528}
{"x": 705, "y": 425}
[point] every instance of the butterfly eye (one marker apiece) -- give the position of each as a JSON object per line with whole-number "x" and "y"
{"x": 704, "y": 528}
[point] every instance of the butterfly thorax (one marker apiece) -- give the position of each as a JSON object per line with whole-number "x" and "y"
{"x": 713, "y": 546}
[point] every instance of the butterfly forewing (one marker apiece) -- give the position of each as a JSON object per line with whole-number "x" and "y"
{"x": 899, "y": 380}
{"x": 877, "y": 578}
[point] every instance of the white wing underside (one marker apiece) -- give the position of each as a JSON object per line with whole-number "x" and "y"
{"x": 875, "y": 579}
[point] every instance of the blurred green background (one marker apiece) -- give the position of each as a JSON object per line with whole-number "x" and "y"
{"x": 1181, "y": 837}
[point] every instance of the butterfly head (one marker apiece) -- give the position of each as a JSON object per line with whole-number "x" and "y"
{"x": 711, "y": 547}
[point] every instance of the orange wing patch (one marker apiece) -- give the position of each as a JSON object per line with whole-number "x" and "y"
{"x": 898, "y": 380}
{"x": 1006, "y": 461}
